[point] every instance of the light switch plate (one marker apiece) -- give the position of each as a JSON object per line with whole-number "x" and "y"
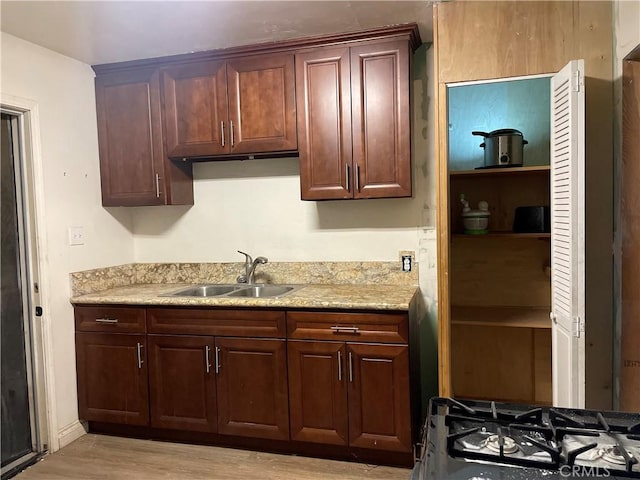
{"x": 76, "y": 236}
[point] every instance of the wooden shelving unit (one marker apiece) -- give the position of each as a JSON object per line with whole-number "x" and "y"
{"x": 500, "y": 171}
{"x": 498, "y": 316}
{"x": 504, "y": 235}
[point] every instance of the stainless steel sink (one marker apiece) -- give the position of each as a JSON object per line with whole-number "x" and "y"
{"x": 205, "y": 291}
{"x": 235, "y": 290}
{"x": 259, "y": 291}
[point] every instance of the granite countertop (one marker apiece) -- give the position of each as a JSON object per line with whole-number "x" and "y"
{"x": 374, "y": 297}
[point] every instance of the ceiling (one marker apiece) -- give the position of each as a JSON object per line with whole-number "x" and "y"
{"x": 96, "y": 32}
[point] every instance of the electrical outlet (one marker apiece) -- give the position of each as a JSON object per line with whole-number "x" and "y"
{"x": 407, "y": 257}
{"x": 76, "y": 236}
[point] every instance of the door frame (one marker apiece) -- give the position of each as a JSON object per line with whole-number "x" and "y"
{"x": 41, "y": 355}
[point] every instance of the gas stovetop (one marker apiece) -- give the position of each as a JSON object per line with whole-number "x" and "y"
{"x": 489, "y": 440}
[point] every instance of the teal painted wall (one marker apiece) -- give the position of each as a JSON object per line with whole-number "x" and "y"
{"x": 519, "y": 104}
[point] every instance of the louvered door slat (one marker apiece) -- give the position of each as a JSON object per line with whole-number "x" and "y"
{"x": 567, "y": 234}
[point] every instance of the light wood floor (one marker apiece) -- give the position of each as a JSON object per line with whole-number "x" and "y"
{"x": 97, "y": 457}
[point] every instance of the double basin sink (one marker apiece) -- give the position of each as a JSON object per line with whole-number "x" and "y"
{"x": 236, "y": 290}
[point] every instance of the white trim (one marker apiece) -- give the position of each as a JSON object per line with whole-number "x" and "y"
{"x": 71, "y": 432}
{"x": 499, "y": 80}
{"x": 44, "y": 343}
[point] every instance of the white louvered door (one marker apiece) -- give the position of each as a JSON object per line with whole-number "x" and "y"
{"x": 567, "y": 235}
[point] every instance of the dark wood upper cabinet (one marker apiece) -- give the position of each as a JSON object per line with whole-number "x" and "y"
{"x": 195, "y": 109}
{"x": 182, "y": 382}
{"x": 112, "y": 378}
{"x": 318, "y": 392}
{"x": 241, "y": 105}
{"x": 354, "y": 128}
{"x": 381, "y": 120}
{"x": 379, "y": 408}
{"x": 262, "y": 103}
{"x": 252, "y": 387}
{"x": 133, "y": 167}
{"x": 340, "y": 101}
{"x": 323, "y": 85}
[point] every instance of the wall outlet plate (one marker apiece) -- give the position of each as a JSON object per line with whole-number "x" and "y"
{"x": 76, "y": 236}
{"x": 407, "y": 257}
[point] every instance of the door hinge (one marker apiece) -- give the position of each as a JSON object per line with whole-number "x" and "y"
{"x": 578, "y": 326}
{"x": 578, "y": 81}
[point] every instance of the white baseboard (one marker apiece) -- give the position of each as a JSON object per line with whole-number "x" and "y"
{"x": 70, "y": 433}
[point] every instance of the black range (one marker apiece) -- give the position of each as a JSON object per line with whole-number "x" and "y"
{"x": 471, "y": 440}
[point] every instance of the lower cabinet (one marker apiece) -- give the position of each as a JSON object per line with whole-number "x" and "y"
{"x": 112, "y": 378}
{"x": 234, "y": 386}
{"x": 339, "y": 381}
{"x": 182, "y": 382}
{"x": 350, "y": 394}
{"x": 252, "y": 387}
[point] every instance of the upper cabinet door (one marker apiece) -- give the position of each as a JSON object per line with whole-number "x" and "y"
{"x": 323, "y": 89}
{"x": 568, "y": 235}
{"x": 381, "y": 120}
{"x": 130, "y": 139}
{"x": 195, "y": 109}
{"x": 262, "y": 110}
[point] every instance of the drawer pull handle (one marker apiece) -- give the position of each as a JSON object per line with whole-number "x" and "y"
{"x": 345, "y": 329}
{"x": 339, "y": 366}
{"x": 107, "y": 320}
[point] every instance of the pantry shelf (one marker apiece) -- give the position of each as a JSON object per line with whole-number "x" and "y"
{"x": 504, "y": 235}
{"x": 499, "y": 316}
{"x": 486, "y": 172}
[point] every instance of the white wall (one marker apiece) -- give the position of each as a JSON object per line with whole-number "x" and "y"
{"x": 255, "y": 206}
{"x": 62, "y": 89}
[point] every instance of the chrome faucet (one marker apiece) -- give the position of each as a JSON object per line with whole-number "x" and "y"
{"x": 250, "y": 268}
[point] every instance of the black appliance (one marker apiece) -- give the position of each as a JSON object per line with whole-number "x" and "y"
{"x": 466, "y": 440}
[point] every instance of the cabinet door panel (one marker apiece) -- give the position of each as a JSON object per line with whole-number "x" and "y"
{"x": 317, "y": 392}
{"x": 379, "y": 410}
{"x": 182, "y": 382}
{"x": 195, "y": 109}
{"x": 262, "y": 107}
{"x": 381, "y": 120}
{"x": 323, "y": 89}
{"x": 130, "y": 138}
{"x": 112, "y": 382}
{"x": 252, "y": 388}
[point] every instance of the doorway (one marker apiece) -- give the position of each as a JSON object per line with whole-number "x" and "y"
{"x": 22, "y": 441}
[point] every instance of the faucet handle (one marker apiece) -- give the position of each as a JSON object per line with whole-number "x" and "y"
{"x": 247, "y": 258}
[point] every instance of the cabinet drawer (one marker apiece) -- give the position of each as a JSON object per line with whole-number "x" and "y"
{"x": 110, "y": 319}
{"x": 226, "y": 322}
{"x": 391, "y": 327}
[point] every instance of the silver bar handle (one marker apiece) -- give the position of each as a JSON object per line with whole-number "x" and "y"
{"x": 339, "y": 366}
{"x": 157, "y": 185}
{"x": 346, "y": 177}
{"x": 231, "y": 127}
{"x": 350, "y": 367}
{"x": 207, "y": 350}
{"x": 112, "y": 321}
{"x": 339, "y": 329}
{"x": 218, "y": 360}
{"x": 140, "y": 361}
{"x": 358, "y": 178}
{"x": 222, "y": 132}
